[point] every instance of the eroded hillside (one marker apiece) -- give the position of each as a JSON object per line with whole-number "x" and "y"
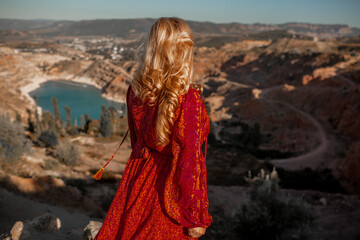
{"x": 303, "y": 94}
{"x": 292, "y": 103}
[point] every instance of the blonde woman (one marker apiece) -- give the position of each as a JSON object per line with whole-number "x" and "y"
{"x": 163, "y": 190}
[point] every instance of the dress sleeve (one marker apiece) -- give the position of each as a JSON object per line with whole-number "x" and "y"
{"x": 130, "y": 120}
{"x": 192, "y": 177}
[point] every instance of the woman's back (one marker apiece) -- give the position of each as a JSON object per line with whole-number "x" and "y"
{"x": 163, "y": 190}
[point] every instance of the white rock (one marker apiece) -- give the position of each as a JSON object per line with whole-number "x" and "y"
{"x": 20, "y": 231}
{"x": 91, "y": 230}
{"x": 323, "y": 201}
{"x": 43, "y": 223}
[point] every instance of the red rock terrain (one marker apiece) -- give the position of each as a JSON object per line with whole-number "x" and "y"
{"x": 301, "y": 95}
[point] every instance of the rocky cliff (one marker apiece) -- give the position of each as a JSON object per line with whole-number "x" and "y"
{"x": 303, "y": 95}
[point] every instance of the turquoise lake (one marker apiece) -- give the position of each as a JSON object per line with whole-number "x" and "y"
{"x": 81, "y": 98}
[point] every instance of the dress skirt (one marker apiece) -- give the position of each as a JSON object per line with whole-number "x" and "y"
{"x": 137, "y": 210}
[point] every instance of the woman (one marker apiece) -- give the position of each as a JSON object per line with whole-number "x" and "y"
{"x": 163, "y": 191}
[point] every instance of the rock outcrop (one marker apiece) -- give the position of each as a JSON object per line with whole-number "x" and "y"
{"x": 28, "y": 229}
{"x": 293, "y": 88}
{"x": 91, "y": 230}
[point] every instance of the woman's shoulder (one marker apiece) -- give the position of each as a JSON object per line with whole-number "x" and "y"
{"x": 192, "y": 101}
{"x": 130, "y": 90}
{"x": 193, "y": 95}
{"x": 131, "y": 96}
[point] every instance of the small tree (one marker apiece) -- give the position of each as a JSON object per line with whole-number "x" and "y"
{"x": 48, "y": 138}
{"x": 55, "y": 105}
{"x": 68, "y": 116}
{"x": 13, "y": 143}
{"x": 31, "y": 126}
{"x": 82, "y": 121}
{"x": 271, "y": 215}
{"x": 58, "y": 121}
{"x": 37, "y": 119}
{"x": 48, "y": 121}
{"x": 73, "y": 130}
{"x": 106, "y": 124}
{"x": 67, "y": 153}
{"x": 87, "y": 122}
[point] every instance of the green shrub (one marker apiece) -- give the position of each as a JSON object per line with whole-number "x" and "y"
{"x": 68, "y": 116}
{"x": 66, "y": 153}
{"x": 271, "y": 215}
{"x": 73, "y": 130}
{"x": 106, "y": 124}
{"x": 50, "y": 164}
{"x": 13, "y": 142}
{"x": 48, "y": 121}
{"x": 48, "y": 138}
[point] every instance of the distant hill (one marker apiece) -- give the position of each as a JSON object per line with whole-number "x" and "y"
{"x": 19, "y": 24}
{"x": 134, "y": 28}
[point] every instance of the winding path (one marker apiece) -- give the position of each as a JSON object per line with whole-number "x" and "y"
{"x": 311, "y": 159}
{"x": 315, "y": 157}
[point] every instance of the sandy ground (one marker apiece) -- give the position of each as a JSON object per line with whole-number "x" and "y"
{"x": 337, "y": 215}
{"x": 18, "y": 208}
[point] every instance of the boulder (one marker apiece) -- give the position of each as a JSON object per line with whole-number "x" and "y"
{"x": 43, "y": 223}
{"x": 91, "y": 230}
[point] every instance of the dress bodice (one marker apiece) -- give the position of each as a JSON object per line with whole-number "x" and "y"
{"x": 144, "y": 119}
{"x": 185, "y": 189}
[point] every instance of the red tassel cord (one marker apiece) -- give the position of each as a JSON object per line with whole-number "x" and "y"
{"x": 98, "y": 175}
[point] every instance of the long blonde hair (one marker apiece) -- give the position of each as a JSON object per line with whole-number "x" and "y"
{"x": 165, "y": 71}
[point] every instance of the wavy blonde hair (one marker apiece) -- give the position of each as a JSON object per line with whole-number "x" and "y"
{"x": 165, "y": 71}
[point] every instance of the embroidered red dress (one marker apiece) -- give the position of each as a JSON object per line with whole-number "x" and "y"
{"x": 163, "y": 190}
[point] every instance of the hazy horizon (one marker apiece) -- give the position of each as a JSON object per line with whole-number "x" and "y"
{"x": 228, "y": 11}
{"x": 289, "y": 22}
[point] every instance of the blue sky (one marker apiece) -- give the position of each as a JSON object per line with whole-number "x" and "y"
{"x": 219, "y": 11}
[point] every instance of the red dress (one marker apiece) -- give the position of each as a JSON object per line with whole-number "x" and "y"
{"x": 163, "y": 190}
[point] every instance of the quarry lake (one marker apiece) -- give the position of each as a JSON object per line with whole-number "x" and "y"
{"x": 81, "y": 98}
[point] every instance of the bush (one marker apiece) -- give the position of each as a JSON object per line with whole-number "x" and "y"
{"x": 270, "y": 215}
{"x": 73, "y": 130}
{"x": 50, "y": 164}
{"x": 66, "y": 153}
{"x": 106, "y": 124}
{"x": 13, "y": 143}
{"x": 222, "y": 226}
{"x": 48, "y": 138}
